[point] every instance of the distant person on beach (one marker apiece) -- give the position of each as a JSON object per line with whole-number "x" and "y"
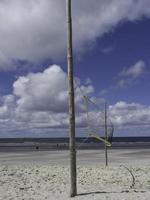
{"x": 37, "y": 147}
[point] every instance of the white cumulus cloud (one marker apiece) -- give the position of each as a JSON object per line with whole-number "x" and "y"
{"x": 42, "y": 91}
{"x": 40, "y": 101}
{"x": 123, "y": 113}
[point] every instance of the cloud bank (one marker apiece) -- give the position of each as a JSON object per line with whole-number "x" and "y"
{"x": 36, "y": 30}
{"x": 39, "y": 105}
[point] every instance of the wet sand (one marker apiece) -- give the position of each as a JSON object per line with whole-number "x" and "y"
{"x": 84, "y": 157}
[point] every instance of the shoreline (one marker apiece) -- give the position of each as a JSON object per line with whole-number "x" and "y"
{"x": 13, "y": 147}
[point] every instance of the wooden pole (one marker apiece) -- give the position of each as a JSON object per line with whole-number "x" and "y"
{"x": 106, "y": 136}
{"x": 73, "y": 188}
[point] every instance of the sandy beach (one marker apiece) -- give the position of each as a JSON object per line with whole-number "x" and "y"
{"x": 45, "y": 175}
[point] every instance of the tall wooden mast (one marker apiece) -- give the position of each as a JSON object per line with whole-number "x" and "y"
{"x": 73, "y": 188}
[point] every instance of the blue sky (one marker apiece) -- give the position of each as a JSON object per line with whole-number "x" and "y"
{"x": 126, "y": 45}
{"x": 111, "y": 62}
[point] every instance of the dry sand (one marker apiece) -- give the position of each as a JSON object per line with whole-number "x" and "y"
{"x": 44, "y": 180}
